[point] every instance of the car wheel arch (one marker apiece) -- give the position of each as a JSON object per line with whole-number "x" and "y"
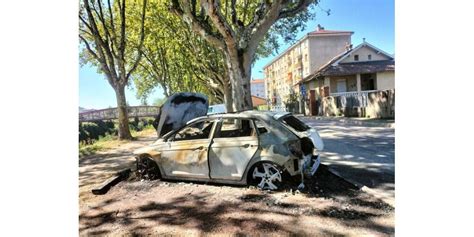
{"x": 150, "y": 158}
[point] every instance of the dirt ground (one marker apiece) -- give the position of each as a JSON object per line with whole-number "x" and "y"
{"x": 328, "y": 206}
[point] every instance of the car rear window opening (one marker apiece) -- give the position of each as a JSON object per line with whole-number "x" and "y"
{"x": 295, "y": 123}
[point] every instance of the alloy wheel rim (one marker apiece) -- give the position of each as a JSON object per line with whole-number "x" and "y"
{"x": 268, "y": 177}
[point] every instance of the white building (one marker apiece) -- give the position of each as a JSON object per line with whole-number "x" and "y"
{"x": 316, "y": 48}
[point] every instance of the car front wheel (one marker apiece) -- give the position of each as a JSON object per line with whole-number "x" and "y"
{"x": 267, "y": 176}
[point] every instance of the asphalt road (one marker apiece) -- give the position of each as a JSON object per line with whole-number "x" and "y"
{"x": 363, "y": 154}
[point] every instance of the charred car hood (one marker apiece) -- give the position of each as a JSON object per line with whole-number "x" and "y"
{"x": 179, "y": 109}
{"x": 150, "y": 149}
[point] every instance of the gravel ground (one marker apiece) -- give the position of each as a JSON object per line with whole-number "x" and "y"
{"x": 328, "y": 206}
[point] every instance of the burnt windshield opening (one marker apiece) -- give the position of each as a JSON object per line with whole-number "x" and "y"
{"x": 295, "y": 123}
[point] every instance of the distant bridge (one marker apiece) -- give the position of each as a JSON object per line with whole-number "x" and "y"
{"x": 112, "y": 113}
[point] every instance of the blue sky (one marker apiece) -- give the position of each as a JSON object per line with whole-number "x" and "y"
{"x": 369, "y": 19}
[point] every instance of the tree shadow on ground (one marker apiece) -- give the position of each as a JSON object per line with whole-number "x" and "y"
{"x": 97, "y": 168}
{"x": 199, "y": 211}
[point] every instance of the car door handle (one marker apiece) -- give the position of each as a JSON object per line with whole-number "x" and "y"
{"x": 199, "y": 148}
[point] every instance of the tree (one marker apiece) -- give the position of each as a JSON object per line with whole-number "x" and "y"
{"x": 108, "y": 44}
{"x": 237, "y": 31}
{"x": 176, "y": 59}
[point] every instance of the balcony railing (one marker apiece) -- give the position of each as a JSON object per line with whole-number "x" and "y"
{"x": 278, "y": 108}
{"x": 352, "y": 93}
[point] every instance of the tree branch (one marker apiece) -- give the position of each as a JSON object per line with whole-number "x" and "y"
{"x": 112, "y": 24}
{"x": 302, "y": 5}
{"x": 101, "y": 45}
{"x": 213, "y": 10}
{"x": 265, "y": 16}
{"x": 198, "y": 26}
{"x": 142, "y": 38}
{"x": 89, "y": 49}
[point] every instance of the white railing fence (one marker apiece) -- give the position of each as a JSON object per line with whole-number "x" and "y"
{"x": 352, "y": 93}
{"x": 278, "y": 108}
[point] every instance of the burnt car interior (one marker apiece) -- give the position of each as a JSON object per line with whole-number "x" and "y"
{"x": 235, "y": 128}
{"x": 199, "y": 130}
{"x": 295, "y": 123}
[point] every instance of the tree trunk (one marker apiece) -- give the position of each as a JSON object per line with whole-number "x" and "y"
{"x": 123, "y": 128}
{"x": 228, "y": 100}
{"x": 239, "y": 70}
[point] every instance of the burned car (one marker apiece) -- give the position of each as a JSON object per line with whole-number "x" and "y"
{"x": 250, "y": 147}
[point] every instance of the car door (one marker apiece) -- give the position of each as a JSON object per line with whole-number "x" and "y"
{"x": 234, "y": 144}
{"x": 185, "y": 152}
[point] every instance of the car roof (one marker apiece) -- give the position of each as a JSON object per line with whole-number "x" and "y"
{"x": 265, "y": 115}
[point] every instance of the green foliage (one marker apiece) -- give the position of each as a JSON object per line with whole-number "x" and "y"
{"x": 292, "y": 97}
{"x": 284, "y": 30}
{"x": 176, "y": 59}
{"x": 92, "y": 131}
{"x": 159, "y": 101}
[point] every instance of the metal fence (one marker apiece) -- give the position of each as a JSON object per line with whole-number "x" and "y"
{"x": 112, "y": 113}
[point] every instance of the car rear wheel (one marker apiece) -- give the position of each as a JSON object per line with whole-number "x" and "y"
{"x": 267, "y": 176}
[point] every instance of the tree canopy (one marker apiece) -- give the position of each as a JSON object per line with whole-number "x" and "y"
{"x": 175, "y": 59}
{"x": 112, "y": 36}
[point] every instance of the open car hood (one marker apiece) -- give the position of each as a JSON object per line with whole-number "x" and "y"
{"x": 179, "y": 109}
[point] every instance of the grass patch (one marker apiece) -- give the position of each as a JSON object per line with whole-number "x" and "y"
{"x": 145, "y": 132}
{"x": 104, "y": 143}
{"x": 110, "y": 141}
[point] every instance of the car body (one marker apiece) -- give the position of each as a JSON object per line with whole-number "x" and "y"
{"x": 237, "y": 148}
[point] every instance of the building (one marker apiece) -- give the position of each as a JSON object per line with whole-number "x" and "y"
{"x": 257, "y": 88}
{"x": 308, "y": 54}
{"x": 353, "y": 73}
{"x": 258, "y": 101}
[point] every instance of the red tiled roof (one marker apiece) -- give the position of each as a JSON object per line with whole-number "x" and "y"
{"x": 256, "y": 101}
{"x": 257, "y": 81}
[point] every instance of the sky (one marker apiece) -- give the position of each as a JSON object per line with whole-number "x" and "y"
{"x": 369, "y": 19}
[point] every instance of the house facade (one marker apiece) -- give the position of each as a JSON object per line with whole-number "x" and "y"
{"x": 284, "y": 72}
{"x": 354, "y": 73}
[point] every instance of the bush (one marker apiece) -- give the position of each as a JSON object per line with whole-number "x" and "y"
{"x": 91, "y": 131}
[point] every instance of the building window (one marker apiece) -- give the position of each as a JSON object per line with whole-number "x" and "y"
{"x": 370, "y": 56}
{"x": 356, "y": 57}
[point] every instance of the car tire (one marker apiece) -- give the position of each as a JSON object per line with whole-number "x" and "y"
{"x": 267, "y": 176}
{"x": 147, "y": 168}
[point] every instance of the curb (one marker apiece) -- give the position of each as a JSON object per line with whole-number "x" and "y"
{"x": 363, "y": 188}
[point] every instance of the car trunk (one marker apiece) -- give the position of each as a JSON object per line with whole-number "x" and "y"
{"x": 309, "y": 137}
